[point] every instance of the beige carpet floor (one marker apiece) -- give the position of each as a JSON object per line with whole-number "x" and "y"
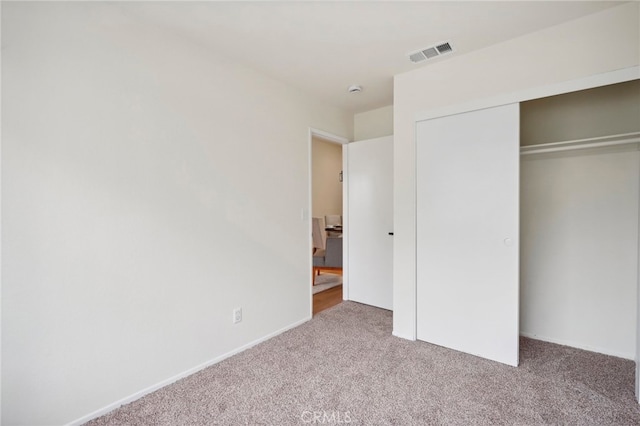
{"x": 344, "y": 366}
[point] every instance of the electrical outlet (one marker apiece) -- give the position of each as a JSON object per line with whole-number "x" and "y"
{"x": 237, "y": 315}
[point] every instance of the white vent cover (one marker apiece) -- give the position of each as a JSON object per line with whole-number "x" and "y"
{"x": 430, "y": 52}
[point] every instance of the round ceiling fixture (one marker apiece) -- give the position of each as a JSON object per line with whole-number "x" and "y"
{"x": 354, "y": 88}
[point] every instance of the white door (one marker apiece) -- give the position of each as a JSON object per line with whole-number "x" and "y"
{"x": 467, "y": 232}
{"x": 369, "y": 214}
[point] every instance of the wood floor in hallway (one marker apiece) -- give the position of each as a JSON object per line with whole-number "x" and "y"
{"x": 326, "y": 299}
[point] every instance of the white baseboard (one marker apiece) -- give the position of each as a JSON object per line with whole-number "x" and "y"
{"x": 630, "y": 356}
{"x": 153, "y": 388}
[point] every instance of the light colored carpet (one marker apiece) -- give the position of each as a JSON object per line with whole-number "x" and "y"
{"x": 345, "y": 364}
{"x": 325, "y": 281}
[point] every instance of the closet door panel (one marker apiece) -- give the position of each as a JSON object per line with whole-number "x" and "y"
{"x": 467, "y": 232}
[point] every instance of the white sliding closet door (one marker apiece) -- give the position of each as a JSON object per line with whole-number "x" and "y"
{"x": 467, "y": 232}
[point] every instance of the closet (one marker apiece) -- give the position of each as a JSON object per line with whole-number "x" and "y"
{"x": 579, "y": 191}
{"x": 562, "y": 210}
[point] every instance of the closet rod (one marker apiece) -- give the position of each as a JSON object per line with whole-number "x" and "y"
{"x": 599, "y": 142}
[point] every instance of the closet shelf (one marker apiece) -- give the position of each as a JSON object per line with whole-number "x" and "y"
{"x": 599, "y": 142}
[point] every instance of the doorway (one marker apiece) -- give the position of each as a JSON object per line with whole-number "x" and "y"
{"x": 326, "y": 216}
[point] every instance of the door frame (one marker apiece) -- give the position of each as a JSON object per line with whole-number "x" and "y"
{"x": 307, "y": 212}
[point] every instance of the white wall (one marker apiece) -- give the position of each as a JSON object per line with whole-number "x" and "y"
{"x": 149, "y": 187}
{"x": 551, "y": 56}
{"x": 373, "y": 124}
{"x": 579, "y": 249}
{"x": 326, "y": 165}
{"x": 601, "y": 111}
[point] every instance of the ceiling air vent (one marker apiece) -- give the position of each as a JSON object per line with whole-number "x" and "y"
{"x": 444, "y": 48}
{"x": 430, "y": 52}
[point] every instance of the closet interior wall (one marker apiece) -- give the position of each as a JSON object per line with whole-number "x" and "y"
{"x": 579, "y": 220}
